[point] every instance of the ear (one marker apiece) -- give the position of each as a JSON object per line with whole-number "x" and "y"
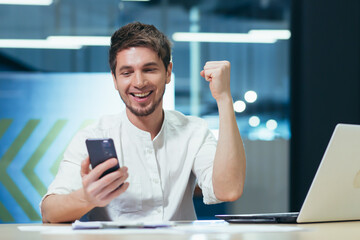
{"x": 114, "y": 79}
{"x": 168, "y": 72}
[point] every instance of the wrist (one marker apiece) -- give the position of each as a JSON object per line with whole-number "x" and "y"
{"x": 83, "y": 200}
{"x": 224, "y": 99}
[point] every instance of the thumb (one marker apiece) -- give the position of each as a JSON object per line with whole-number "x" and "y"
{"x": 202, "y": 73}
{"x": 85, "y": 167}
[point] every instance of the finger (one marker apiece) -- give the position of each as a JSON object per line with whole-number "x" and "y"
{"x": 113, "y": 186}
{"x": 120, "y": 175}
{"x": 114, "y": 176}
{"x": 85, "y": 164}
{"x": 105, "y": 200}
{"x": 102, "y": 167}
{"x": 217, "y": 65}
{"x": 99, "y": 188}
{"x": 208, "y": 75}
{"x": 94, "y": 186}
{"x": 118, "y": 191}
{"x": 124, "y": 169}
{"x": 217, "y": 62}
{"x": 110, "y": 181}
{"x": 212, "y": 64}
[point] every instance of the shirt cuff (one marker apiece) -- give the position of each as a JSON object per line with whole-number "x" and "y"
{"x": 209, "y": 195}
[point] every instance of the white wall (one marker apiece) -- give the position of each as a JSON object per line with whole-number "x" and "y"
{"x": 267, "y": 179}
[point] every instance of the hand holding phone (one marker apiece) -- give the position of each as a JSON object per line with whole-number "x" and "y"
{"x": 101, "y": 150}
{"x": 100, "y": 195}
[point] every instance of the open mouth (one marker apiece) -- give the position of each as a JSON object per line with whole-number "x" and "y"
{"x": 141, "y": 95}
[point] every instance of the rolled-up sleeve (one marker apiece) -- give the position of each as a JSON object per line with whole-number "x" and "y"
{"x": 68, "y": 178}
{"x": 203, "y": 168}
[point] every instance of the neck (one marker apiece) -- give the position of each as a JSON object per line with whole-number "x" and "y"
{"x": 151, "y": 123}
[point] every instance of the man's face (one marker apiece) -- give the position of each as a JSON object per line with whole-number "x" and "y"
{"x": 140, "y": 78}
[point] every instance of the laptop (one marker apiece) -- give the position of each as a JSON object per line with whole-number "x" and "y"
{"x": 334, "y": 194}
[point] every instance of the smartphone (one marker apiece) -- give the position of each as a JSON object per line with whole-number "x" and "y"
{"x": 100, "y": 150}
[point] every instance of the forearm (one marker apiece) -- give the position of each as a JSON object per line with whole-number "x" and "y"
{"x": 64, "y": 207}
{"x": 230, "y": 162}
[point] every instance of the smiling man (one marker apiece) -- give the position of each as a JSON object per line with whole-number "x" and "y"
{"x": 140, "y": 78}
{"x": 162, "y": 153}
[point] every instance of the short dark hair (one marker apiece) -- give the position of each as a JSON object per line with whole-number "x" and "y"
{"x": 139, "y": 35}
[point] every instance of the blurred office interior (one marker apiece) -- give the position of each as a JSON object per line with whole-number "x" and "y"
{"x": 294, "y": 75}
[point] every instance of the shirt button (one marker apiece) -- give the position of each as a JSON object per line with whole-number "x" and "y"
{"x": 156, "y": 181}
{"x": 158, "y": 210}
{"x": 149, "y": 151}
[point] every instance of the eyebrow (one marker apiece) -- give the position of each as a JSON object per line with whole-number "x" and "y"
{"x": 149, "y": 64}
{"x": 124, "y": 67}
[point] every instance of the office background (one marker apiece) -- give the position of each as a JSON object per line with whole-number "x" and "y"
{"x": 305, "y": 83}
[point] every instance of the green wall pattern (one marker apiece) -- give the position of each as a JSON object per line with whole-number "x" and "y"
{"x": 26, "y": 203}
{"x": 36, "y": 125}
{"x": 28, "y": 169}
{"x": 6, "y": 179}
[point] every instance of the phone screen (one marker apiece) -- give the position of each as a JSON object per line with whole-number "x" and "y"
{"x": 101, "y": 150}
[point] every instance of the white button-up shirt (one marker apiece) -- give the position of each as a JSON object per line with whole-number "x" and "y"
{"x": 162, "y": 171}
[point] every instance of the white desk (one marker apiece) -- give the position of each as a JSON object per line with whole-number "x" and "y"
{"x": 319, "y": 231}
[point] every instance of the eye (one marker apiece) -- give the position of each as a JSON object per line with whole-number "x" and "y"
{"x": 149, "y": 69}
{"x": 125, "y": 74}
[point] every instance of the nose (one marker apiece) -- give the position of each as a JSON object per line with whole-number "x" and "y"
{"x": 139, "y": 80}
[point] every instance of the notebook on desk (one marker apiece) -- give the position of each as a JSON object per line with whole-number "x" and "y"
{"x": 334, "y": 194}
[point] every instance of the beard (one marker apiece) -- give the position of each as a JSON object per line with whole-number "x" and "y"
{"x": 143, "y": 111}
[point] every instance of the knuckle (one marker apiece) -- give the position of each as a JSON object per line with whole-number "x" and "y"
{"x": 106, "y": 180}
{"x": 90, "y": 193}
{"x": 101, "y": 168}
{"x": 85, "y": 181}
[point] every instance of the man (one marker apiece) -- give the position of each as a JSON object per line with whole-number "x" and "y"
{"x": 162, "y": 153}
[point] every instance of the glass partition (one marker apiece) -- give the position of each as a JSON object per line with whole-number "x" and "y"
{"x": 56, "y": 79}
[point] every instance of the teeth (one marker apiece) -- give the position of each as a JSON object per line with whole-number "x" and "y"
{"x": 141, "y": 94}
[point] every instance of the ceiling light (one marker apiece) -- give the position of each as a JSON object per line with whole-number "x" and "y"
{"x": 36, "y": 43}
{"x": 253, "y": 36}
{"x": 269, "y": 33}
{"x": 239, "y": 106}
{"x": 271, "y": 124}
{"x": 250, "y": 96}
{"x": 27, "y": 2}
{"x": 81, "y": 40}
{"x": 254, "y": 121}
{"x": 220, "y": 37}
{"x": 56, "y": 42}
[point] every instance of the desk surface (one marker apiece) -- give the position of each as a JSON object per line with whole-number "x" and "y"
{"x": 336, "y": 230}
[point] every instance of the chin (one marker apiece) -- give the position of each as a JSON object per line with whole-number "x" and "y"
{"x": 142, "y": 112}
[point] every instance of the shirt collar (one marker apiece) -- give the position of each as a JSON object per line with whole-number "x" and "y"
{"x": 135, "y": 131}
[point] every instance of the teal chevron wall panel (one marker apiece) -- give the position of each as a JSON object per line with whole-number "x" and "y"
{"x": 39, "y": 115}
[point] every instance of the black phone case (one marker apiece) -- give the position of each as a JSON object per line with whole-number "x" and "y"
{"x": 101, "y": 150}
